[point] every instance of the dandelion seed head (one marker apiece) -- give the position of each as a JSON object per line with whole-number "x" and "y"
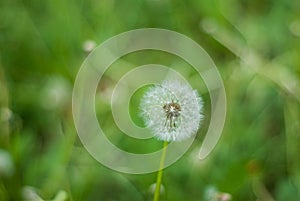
{"x": 172, "y": 110}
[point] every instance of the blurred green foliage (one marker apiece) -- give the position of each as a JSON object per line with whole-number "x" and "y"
{"x": 255, "y": 45}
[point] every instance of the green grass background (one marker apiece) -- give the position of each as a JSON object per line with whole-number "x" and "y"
{"x": 255, "y": 45}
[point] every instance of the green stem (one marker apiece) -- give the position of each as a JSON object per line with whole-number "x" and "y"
{"x": 160, "y": 171}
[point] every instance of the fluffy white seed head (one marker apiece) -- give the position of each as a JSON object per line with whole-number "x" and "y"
{"x": 172, "y": 110}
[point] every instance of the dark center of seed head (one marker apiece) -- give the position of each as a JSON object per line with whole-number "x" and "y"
{"x": 172, "y": 110}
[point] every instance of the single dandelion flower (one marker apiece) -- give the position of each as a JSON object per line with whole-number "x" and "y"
{"x": 172, "y": 110}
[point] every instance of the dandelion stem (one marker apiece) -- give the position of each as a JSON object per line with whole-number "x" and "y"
{"x": 160, "y": 171}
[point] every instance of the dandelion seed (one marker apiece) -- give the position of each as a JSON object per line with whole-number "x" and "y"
{"x": 172, "y": 111}
{"x": 88, "y": 46}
